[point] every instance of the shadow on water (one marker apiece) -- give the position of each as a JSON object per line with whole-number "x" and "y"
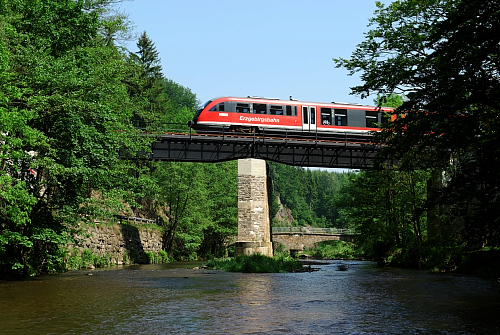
{"x": 133, "y": 244}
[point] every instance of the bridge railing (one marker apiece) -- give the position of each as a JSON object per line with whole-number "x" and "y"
{"x": 136, "y": 220}
{"x": 262, "y": 134}
{"x": 312, "y": 230}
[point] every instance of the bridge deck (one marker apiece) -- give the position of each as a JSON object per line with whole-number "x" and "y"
{"x": 335, "y": 152}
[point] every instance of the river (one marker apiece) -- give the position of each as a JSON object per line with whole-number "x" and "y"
{"x": 175, "y": 299}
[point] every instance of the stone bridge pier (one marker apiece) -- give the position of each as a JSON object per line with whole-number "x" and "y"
{"x": 254, "y": 226}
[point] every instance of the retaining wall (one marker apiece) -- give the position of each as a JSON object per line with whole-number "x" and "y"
{"x": 120, "y": 241}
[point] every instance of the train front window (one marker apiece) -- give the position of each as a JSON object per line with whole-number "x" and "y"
{"x": 242, "y": 108}
{"x": 326, "y": 116}
{"x": 340, "y": 117}
{"x": 260, "y": 108}
{"x": 371, "y": 119}
{"x": 206, "y": 104}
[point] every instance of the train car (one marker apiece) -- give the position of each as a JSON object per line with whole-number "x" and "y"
{"x": 256, "y": 114}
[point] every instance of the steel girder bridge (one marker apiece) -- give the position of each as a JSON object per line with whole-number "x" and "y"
{"x": 340, "y": 151}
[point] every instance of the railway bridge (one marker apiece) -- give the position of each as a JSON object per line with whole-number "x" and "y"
{"x": 342, "y": 150}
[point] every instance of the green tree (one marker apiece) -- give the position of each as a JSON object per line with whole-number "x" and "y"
{"x": 149, "y": 57}
{"x": 443, "y": 56}
{"x": 309, "y": 194}
{"x": 16, "y": 169}
{"x": 387, "y": 208}
{"x": 200, "y": 203}
{"x": 147, "y": 85}
{"x": 182, "y": 105}
{"x": 65, "y": 116}
{"x": 221, "y": 180}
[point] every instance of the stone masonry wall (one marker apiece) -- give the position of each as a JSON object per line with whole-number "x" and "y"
{"x": 254, "y": 226}
{"x": 253, "y": 211}
{"x": 120, "y": 241}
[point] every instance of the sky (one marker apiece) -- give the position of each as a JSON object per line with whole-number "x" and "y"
{"x": 268, "y": 48}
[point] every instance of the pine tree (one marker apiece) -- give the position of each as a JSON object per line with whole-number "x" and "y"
{"x": 148, "y": 85}
{"x": 149, "y": 58}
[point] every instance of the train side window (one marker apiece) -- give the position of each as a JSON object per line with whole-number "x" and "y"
{"x": 218, "y": 108}
{"x": 313, "y": 115}
{"x": 305, "y": 115}
{"x": 340, "y": 117}
{"x": 242, "y": 108}
{"x": 326, "y": 116}
{"x": 260, "y": 108}
{"x": 291, "y": 110}
{"x": 276, "y": 110}
{"x": 371, "y": 119}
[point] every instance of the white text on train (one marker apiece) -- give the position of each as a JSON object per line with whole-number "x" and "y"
{"x": 258, "y": 119}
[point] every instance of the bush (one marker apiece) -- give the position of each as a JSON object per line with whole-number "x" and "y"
{"x": 86, "y": 259}
{"x": 335, "y": 250}
{"x": 158, "y": 257}
{"x": 256, "y": 264}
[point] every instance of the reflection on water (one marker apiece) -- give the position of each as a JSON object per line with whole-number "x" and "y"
{"x": 165, "y": 299}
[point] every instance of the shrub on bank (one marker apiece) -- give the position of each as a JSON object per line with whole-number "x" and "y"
{"x": 335, "y": 250}
{"x": 158, "y": 257}
{"x": 256, "y": 264}
{"x": 87, "y": 259}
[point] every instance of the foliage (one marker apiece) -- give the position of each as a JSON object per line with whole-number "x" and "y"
{"x": 442, "y": 55}
{"x": 87, "y": 259}
{"x": 256, "y": 264}
{"x": 69, "y": 104}
{"x": 158, "y": 257}
{"x": 201, "y": 207}
{"x": 387, "y": 208}
{"x": 334, "y": 250}
{"x": 189, "y": 197}
{"x": 310, "y": 194}
{"x": 56, "y": 122}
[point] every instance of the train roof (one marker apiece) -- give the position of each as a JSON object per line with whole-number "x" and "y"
{"x": 299, "y": 102}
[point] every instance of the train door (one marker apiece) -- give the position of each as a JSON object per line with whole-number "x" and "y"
{"x": 309, "y": 118}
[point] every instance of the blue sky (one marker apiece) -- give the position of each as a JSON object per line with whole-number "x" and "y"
{"x": 272, "y": 48}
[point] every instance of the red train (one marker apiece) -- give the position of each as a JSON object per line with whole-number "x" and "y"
{"x": 256, "y": 114}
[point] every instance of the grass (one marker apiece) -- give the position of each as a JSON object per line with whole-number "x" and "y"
{"x": 256, "y": 264}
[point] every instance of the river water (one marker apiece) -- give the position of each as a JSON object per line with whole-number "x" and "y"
{"x": 175, "y": 299}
